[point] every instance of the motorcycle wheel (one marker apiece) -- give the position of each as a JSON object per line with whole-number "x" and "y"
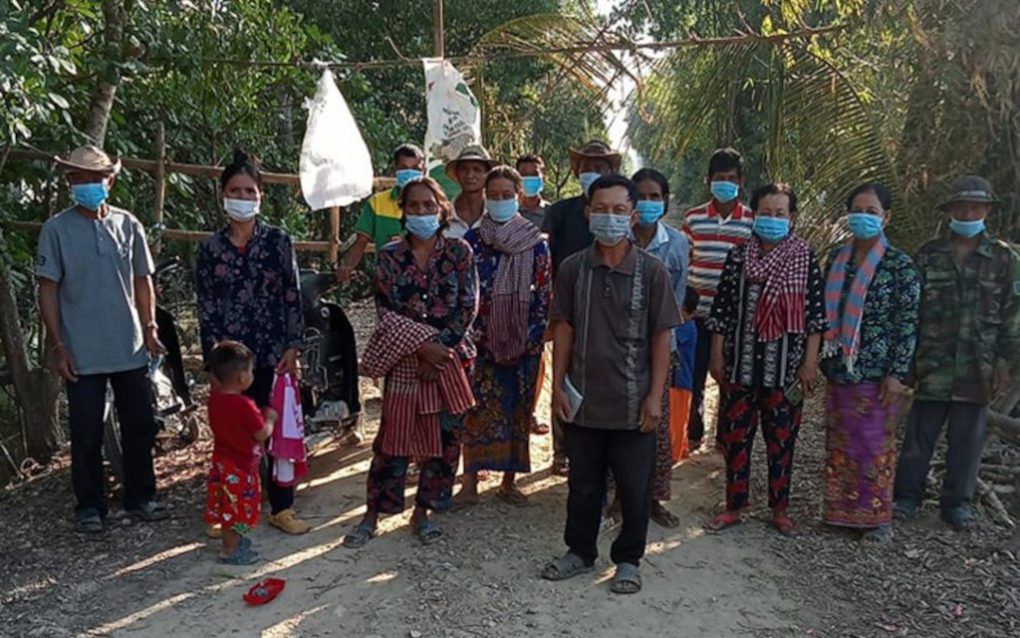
{"x": 111, "y": 439}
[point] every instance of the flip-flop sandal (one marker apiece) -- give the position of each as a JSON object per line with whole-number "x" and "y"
{"x": 241, "y": 556}
{"x": 723, "y": 521}
{"x": 428, "y": 532}
{"x": 627, "y": 579}
{"x": 566, "y": 566}
{"x": 561, "y": 468}
{"x": 150, "y": 512}
{"x": 539, "y": 428}
{"x": 960, "y": 520}
{"x": 461, "y": 502}
{"x": 883, "y": 535}
{"x": 664, "y": 517}
{"x": 784, "y": 525}
{"x": 359, "y": 536}
{"x": 512, "y": 496}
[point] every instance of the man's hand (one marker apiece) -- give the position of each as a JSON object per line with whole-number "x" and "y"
{"x": 152, "y": 342}
{"x": 651, "y": 412}
{"x": 892, "y": 391}
{"x": 63, "y": 364}
{"x": 435, "y": 354}
{"x": 1002, "y": 380}
{"x": 271, "y": 415}
{"x": 289, "y": 363}
{"x": 428, "y": 371}
{"x": 343, "y": 273}
{"x": 560, "y": 406}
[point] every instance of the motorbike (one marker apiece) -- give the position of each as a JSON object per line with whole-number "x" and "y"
{"x": 171, "y": 392}
{"x": 329, "y": 384}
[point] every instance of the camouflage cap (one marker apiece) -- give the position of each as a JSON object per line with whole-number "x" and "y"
{"x": 970, "y": 188}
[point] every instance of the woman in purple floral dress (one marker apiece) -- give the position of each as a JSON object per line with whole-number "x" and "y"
{"x": 246, "y": 279}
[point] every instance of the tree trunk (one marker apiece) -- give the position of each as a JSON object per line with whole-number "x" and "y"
{"x": 115, "y": 15}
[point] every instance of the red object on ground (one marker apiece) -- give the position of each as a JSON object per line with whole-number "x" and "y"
{"x": 265, "y": 591}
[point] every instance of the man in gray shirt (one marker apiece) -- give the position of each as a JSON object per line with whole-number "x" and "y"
{"x": 98, "y": 306}
{"x": 613, "y": 311}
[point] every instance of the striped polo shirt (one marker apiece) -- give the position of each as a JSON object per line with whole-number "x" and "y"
{"x": 712, "y": 236}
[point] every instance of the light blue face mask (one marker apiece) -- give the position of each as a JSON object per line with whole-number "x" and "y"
{"x": 422, "y": 226}
{"x": 771, "y": 229}
{"x": 91, "y": 195}
{"x": 587, "y": 179}
{"x": 650, "y": 211}
{"x": 865, "y": 225}
{"x": 967, "y": 229}
{"x": 609, "y": 229}
{"x": 724, "y": 191}
{"x": 405, "y": 175}
{"x": 533, "y": 185}
{"x": 501, "y": 210}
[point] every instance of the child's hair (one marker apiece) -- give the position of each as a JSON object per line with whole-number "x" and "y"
{"x": 229, "y": 359}
{"x": 691, "y": 299}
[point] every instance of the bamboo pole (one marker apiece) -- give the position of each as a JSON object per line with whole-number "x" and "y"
{"x": 159, "y": 197}
{"x": 334, "y": 234}
{"x": 438, "y": 34}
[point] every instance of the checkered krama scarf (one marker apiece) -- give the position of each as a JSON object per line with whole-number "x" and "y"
{"x": 783, "y": 274}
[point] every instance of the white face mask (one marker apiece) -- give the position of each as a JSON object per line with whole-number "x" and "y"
{"x": 241, "y": 210}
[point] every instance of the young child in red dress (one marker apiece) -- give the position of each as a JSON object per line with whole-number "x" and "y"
{"x": 239, "y": 429}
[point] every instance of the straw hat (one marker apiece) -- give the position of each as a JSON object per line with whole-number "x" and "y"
{"x": 471, "y": 153}
{"x": 89, "y": 158}
{"x": 594, "y": 149}
{"x": 970, "y": 188}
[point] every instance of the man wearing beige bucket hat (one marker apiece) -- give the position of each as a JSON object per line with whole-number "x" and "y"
{"x": 567, "y": 229}
{"x": 468, "y": 169}
{"x": 98, "y": 306}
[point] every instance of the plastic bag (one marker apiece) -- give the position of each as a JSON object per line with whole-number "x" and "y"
{"x": 336, "y": 167}
{"x": 287, "y": 444}
{"x": 455, "y": 120}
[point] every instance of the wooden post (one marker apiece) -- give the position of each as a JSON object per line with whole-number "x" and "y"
{"x": 438, "y": 37}
{"x": 159, "y": 198}
{"x": 334, "y": 235}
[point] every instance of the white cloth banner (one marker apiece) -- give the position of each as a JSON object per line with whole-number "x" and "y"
{"x": 336, "y": 167}
{"x": 455, "y": 120}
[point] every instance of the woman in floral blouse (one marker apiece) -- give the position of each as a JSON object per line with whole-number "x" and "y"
{"x": 514, "y": 288}
{"x": 431, "y": 280}
{"x": 767, "y": 322}
{"x": 872, "y": 297}
{"x": 246, "y": 278}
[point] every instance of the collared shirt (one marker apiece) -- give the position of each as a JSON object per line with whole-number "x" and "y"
{"x": 567, "y": 229}
{"x": 674, "y": 251}
{"x": 614, "y": 313}
{"x": 444, "y": 295}
{"x": 536, "y": 215}
{"x": 94, "y": 263}
{"x": 251, "y": 295}
{"x": 456, "y": 227}
{"x": 970, "y": 319}
{"x": 888, "y": 331}
{"x": 380, "y": 218}
{"x": 712, "y": 236}
{"x": 754, "y": 363}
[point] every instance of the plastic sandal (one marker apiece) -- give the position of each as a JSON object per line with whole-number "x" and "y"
{"x": 566, "y": 566}
{"x": 241, "y": 556}
{"x": 264, "y": 591}
{"x": 784, "y": 525}
{"x": 359, "y": 536}
{"x": 428, "y": 532}
{"x": 627, "y": 579}
{"x": 723, "y": 521}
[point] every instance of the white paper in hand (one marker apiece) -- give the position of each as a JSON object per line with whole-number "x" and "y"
{"x": 336, "y": 167}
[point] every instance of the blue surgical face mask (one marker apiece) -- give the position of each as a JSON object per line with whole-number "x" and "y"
{"x": 967, "y": 229}
{"x": 865, "y": 225}
{"x": 405, "y": 175}
{"x": 501, "y": 210}
{"x": 771, "y": 229}
{"x": 609, "y": 229}
{"x": 91, "y": 195}
{"x": 422, "y": 226}
{"x": 587, "y": 179}
{"x": 724, "y": 191}
{"x": 533, "y": 185}
{"x": 650, "y": 211}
